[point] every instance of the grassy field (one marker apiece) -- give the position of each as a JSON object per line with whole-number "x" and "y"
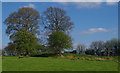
{"x": 56, "y": 64}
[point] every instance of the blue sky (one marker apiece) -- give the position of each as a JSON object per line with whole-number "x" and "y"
{"x": 60, "y": 0}
{"x": 92, "y": 21}
{"x": 1, "y": 25}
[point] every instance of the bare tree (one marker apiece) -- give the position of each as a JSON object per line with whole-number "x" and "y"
{"x": 97, "y": 46}
{"x": 80, "y": 48}
{"x": 55, "y": 19}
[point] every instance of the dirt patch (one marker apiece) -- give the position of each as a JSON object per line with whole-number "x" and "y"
{"x": 87, "y": 58}
{"x": 70, "y": 57}
{"x": 99, "y": 59}
{"x": 83, "y": 58}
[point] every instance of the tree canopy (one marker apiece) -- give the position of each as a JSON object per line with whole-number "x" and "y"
{"x": 26, "y": 42}
{"x": 58, "y": 41}
{"x": 55, "y": 19}
{"x": 24, "y": 18}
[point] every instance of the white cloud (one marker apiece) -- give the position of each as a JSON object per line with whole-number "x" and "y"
{"x": 85, "y": 0}
{"x": 83, "y": 4}
{"x": 94, "y": 30}
{"x": 88, "y": 5}
{"x": 30, "y": 6}
{"x": 112, "y": 0}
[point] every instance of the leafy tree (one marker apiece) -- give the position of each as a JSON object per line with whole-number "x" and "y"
{"x": 24, "y": 18}
{"x": 10, "y": 49}
{"x": 26, "y": 42}
{"x": 22, "y": 27}
{"x": 38, "y": 49}
{"x": 55, "y": 19}
{"x": 58, "y": 41}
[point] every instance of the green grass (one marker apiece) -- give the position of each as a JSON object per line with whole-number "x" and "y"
{"x": 55, "y": 64}
{"x": 0, "y": 63}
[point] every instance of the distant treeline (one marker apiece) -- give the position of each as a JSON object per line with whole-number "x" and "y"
{"x": 99, "y": 48}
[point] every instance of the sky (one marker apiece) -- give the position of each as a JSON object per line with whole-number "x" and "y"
{"x": 0, "y": 25}
{"x": 92, "y": 20}
{"x": 59, "y": 0}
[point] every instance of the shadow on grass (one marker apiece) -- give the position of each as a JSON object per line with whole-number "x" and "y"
{"x": 44, "y": 55}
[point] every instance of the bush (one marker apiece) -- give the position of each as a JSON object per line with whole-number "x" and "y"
{"x": 90, "y": 52}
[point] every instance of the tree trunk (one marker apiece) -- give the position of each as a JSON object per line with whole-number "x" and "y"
{"x": 108, "y": 52}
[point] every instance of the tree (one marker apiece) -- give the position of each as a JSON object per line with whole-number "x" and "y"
{"x": 57, "y": 24}
{"x": 55, "y": 19}
{"x": 58, "y": 41}
{"x": 90, "y": 51}
{"x": 118, "y": 48}
{"x": 10, "y": 49}
{"x": 108, "y": 47}
{"x": 22, "y": 27}
{"x": 115, "y": 46}
{"x": 24, "y": 18}
{"x": 38, "y": 49}
{"x": 98, "y": 46}
{"x": 26, "y": 42}
{"x": 80, "y": 48}
{"x": 112, "y": 47}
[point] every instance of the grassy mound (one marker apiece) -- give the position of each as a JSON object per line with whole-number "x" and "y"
{"x": 85, "y": 57}
{"x": 73, "y": 56}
